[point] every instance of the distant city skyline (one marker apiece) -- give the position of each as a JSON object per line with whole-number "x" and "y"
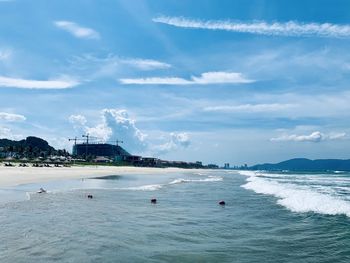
{"x": 245, "y": 81}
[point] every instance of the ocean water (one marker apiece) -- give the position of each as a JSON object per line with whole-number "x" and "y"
{"x": 268, "y": 217}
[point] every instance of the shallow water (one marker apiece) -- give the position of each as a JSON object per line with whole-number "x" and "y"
{"x": 267, "y": 218}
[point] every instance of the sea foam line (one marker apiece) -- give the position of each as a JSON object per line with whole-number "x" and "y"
{"x": 209, "y": 179}
{"x": 154, "y": 187}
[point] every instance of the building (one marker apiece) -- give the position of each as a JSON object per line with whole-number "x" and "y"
{"x": 150, "y": 161}
{"x": 101, "y": 159}
{"x": 99, "y": 149}
{"x": 133, "y": 159}
{"x": 212, "y": 166}
{"x": 227, "y": 166}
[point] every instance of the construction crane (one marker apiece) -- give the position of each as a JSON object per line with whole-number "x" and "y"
{"x": 87, "y": 136}
{"x": 75, "y": 139}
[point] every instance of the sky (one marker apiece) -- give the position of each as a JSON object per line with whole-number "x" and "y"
{"x": 237, "y": 81}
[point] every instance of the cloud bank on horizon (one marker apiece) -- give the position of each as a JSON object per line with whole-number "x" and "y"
{"x": 313, "y": 137}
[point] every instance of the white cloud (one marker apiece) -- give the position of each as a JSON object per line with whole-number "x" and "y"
{"x": 37, "y": 84}
{"x": 217, "y": 77}
{"x": 313, "y": 137}
{"x": 114, "y": 124}
{"x": 91, "y": 67}
{"x": 7, "y": 133}
{"x": 77, "y": 30}
{"x": 336, "y": 136}
{"x": 177, "y": 140}
{"x": 156, "y": 81}
{"x": 11, "y": 117}
{"x": 117, "y": 124}
{"x": 145, "y": 64}
{"x": 77, "y": 119}
{"x": 249, "y": 108}
{"x": 290, "y": 28}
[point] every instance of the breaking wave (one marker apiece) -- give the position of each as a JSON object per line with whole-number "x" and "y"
{"x": 209, "y": 179}
{"x": 155, "y": 187}
{"x": 150, "y": 187}
{"x": 300, "y": 198}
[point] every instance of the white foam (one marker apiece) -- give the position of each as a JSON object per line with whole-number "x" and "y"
{"x": 209, "y": 179}
{"x": 150, "y": 187}
{"x": 247, "y": 173}
{"x": 299, "y": 198}
{"x": 28, "y": 195}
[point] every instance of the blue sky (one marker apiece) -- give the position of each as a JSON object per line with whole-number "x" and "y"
{"x": 217, "y": 81}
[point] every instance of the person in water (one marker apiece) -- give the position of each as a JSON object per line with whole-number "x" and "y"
{"x": 41, "y": 190}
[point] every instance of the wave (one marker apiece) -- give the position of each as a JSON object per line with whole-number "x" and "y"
{"x": 155, "y": 187}
{"x": 298, "y": 198}
{"x": 150, "y": 187}
{"x": 209, "y": 179}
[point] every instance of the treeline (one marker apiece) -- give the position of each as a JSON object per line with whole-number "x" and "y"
{"x": 31, "y": 147}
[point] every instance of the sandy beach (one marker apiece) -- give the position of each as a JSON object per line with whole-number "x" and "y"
{"x": 12, "y": 176}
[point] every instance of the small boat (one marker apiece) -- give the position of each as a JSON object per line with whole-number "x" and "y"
{"x": 41, "y": 191}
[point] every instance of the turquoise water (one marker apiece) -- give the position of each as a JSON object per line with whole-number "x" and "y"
{"x": 267, "y": 218}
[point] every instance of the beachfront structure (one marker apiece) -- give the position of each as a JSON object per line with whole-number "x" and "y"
{"x": 101, "y": 159}
{"x": 100, "y": 149}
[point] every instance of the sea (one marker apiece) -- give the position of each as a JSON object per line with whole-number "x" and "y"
{"x": 268, "y": 217}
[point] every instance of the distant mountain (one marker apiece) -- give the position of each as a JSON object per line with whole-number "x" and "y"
{"x": 29, "y": 147}
{"x": 28, "y": 142}
{"x": 302, "y": 164}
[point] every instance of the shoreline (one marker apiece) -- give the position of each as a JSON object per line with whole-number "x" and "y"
{"x": 14, "y": 176}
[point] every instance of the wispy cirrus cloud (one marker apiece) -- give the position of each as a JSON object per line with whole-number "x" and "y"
{"x": 145, "y": 64}
{"x": 77, "y": 30}
{"x": 313, "y": 137}
{"x": 249, "y": 108}
{"x": 11, "y": 117}
{"x": 217, "y": 77}
{"x": 5, "y": 54}
{"x": 291, "y": 28}
{"x": 37, "y": 84}
{"x": 90, "y": 66}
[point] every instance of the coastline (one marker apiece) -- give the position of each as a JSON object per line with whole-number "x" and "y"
{"x": 13, "y": 176}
